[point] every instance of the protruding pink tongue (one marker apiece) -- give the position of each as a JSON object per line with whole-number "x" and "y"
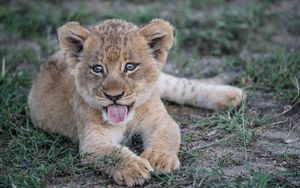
{"x": 117, "y": 113}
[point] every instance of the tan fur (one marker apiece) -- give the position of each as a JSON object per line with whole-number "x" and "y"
{"x": 67, "y": 97}
{"x": 208, "y": 94}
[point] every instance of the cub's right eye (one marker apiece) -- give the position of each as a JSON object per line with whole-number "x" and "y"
{"x": 97, "y": 69}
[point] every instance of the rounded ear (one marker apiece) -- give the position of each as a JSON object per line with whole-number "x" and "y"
{"x": 159, "y": 36}
{"x": 71, "y": 37}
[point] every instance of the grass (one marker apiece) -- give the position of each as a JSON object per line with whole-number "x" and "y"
{"x": 242, "y": 34}
{"x": 23, "y": 20}
{"x": 27, "y": 155}
{"x": 275, "y": 71}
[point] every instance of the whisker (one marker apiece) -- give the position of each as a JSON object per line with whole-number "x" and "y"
{"x": 129, "y": 96}
{"x": 100, "y": 98}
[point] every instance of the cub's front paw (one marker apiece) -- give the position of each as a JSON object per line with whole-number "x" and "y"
{"x": 161, "y": 161}
{"x": 132, "y": 171}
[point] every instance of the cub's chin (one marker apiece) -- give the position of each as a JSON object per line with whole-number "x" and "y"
{"x": 117, "y": 114}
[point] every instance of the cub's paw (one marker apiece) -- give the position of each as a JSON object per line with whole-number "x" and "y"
{"x": 161, "y": 161}
{"x": 229, "y": 96}
{"x": 132, "y": 171}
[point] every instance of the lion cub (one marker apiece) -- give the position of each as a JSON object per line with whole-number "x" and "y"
{"x": 105, "y": 82}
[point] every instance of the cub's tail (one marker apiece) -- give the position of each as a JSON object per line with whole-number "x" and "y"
{"x": 206, "y": 93}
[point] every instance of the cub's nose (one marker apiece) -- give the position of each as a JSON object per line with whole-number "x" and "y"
{"x": 113, "y": 98}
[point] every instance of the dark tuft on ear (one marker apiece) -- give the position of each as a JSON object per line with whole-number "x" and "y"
{"x": 71, "y": 37}
{"x": 159, "y": 36}
{"x": 76, "y": 45}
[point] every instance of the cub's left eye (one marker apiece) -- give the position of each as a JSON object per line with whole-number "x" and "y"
{"x": 130, "y": 66}
{"x": 98, "y": 69}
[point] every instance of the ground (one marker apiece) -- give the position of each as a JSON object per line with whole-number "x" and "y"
{"x": 254, "y": 42}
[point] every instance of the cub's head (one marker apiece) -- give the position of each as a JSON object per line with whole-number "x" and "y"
{"x": 116, "y": 64}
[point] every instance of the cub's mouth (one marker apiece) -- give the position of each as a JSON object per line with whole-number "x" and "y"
{"x": 117, "y": 113}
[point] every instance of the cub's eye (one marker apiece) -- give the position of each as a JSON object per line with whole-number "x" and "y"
{"x": 98, "y": 69}
{"x": 130, "y": 66}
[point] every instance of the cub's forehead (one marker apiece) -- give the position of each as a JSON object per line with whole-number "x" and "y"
{"x": 113, "y": 40}
{"x": 114, "y": 31}
{"x": 115, "y": 25}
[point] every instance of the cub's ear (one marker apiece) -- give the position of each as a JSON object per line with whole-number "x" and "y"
{"x": 71, "y": 37}
{"x": 159, "y": 36}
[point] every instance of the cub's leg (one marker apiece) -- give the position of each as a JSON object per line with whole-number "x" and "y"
{"x": 161, "y": 137}
{"x": 99, "y": 146}
{"x": 199, "y": 93}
